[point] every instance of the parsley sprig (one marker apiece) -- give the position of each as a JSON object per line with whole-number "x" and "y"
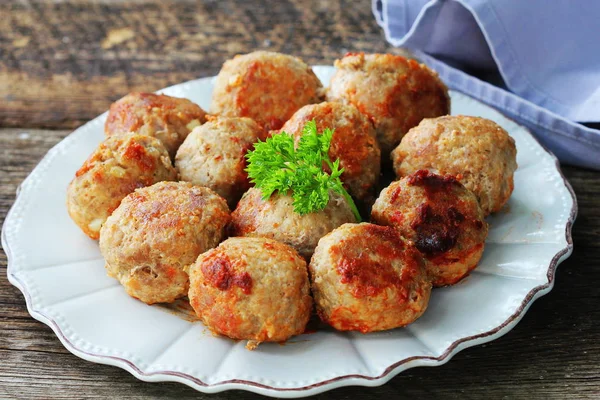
{"x": 275, "y": 165}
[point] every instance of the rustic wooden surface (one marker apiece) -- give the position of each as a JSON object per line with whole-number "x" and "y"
{"x": 62, "y": 63}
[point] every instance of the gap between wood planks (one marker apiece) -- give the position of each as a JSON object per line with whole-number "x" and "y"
{"x": 63, "y": 63}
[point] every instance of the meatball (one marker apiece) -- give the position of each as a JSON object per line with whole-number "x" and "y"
{"x": 254, "y": 289}
{"x": 354, "y": 143}
{"x": 169, "y": 119}
{"x": 476, "y": 150}
{"x": 275, "y": 218}
{"x": 213, "y": 155}
{"x": 366, "y": 278}
{"x": 156, "y": 232}
{"x": 116, "y": 168}
{"x": 265, "y": 86}
{"x": 441, "y": 217}
{"x": 394, "y": 92}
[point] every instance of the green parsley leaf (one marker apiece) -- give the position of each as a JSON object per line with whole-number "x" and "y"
{"x": 276, "y": 166}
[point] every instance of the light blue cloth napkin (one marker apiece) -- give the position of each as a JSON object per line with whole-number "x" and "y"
{"x": 547, "y": 53}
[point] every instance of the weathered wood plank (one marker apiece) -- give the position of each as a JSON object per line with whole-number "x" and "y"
{"x": 63, "y": 63}
{"x": 553, "y": 352}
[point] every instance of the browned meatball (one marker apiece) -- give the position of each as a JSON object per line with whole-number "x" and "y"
{"x": 353, "y": 142}
{"x": 394, "y": 92}
{"x": 169, "y": 119}
{"x": 366, "y": 278}
{"x": 441, "y": 217}
{"x": 265, "y": 86}
{"x": 116, "y": 168}
{"x": 478, "y": 151}
{"x": 254, "y": 289}
{"x": 156, "y": 232}
{"x": 213, "y": 155}
{"x": 275, "y": 218}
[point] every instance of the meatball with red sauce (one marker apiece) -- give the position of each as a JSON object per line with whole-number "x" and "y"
{"x": 265, "y": 86}
{"x": 116, "y": 168}
{"x": 441, "y": 217}
{"x": 275, "y": 218}
{"x": 253, "y": 289}
{"x": 156, "y": 232}
{"x": 169, "y": 119}
{"x": 354, "y": 142}
{"x": 394, "y": 92}
{"x": 367, "y": 278}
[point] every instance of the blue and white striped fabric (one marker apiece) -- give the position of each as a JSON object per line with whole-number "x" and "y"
{"x": 547, "y": 53}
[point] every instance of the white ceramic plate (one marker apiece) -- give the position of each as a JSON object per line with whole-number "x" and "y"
{"x": 61, "y": 273}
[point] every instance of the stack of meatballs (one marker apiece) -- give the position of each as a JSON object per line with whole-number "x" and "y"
{"x": 168, "y": 197}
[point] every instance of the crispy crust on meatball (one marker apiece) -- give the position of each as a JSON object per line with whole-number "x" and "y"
{"x": 156, "y": 232}
{"x": 477, "y": 150}
{"x": 255, "y": 289}
{"x": 367, "y": 278}
{"x": 116, "y": 168}
{"x": 275, "y": 218}
{"x": 394, "y": 92}
{"x": 354, "y": 143}
{"x": 441, "y": 217}
{"x": 265, "y": 86}
{"x": 169, "y": 119}
{"x": 213, "y": 155}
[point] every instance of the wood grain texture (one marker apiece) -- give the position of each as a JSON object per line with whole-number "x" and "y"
{"x": 62, "y": 63}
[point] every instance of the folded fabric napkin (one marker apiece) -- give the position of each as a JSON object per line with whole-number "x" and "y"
{"x": 547, "y": 54}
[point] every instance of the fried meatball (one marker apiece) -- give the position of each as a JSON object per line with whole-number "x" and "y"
{"x": 156, "y": 232}
{"x": 254, "y": 289}
{"x": 394, "y": 92}
{"x": 169, "y": 119}
{"x": 366, "y": 278}
{"x": 213, "y": 155}
{"x": 275, "y": 218}
{"x": 116, "y": 168}
{"x": 441, "y": 217}
{"x": 354, "y": 143}
{"x": 265, "y": 86}
{"x": 477, "y": 150}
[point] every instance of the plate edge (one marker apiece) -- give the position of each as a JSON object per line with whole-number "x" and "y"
{"x": 318, "y": 387}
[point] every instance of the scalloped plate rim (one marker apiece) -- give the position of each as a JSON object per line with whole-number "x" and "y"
{"x": 321, "y": 386}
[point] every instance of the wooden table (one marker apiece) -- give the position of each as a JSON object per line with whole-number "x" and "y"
{"x": 63, "y": 63}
